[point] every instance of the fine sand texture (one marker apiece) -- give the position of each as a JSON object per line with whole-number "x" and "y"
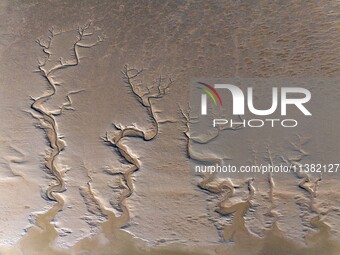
{"x": 99, "y": 135}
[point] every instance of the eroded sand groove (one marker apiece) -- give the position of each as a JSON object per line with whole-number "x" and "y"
{"x": 146, "y": 96}
{"x": 48, "y": 68}
{"x": 310, "y": 186}
{"x": 223, "y": 188}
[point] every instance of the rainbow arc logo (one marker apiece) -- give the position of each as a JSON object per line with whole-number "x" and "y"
{"x": 211, "y": 92}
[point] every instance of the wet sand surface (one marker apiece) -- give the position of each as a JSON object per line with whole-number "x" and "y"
{"x": 98, "y": 141}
